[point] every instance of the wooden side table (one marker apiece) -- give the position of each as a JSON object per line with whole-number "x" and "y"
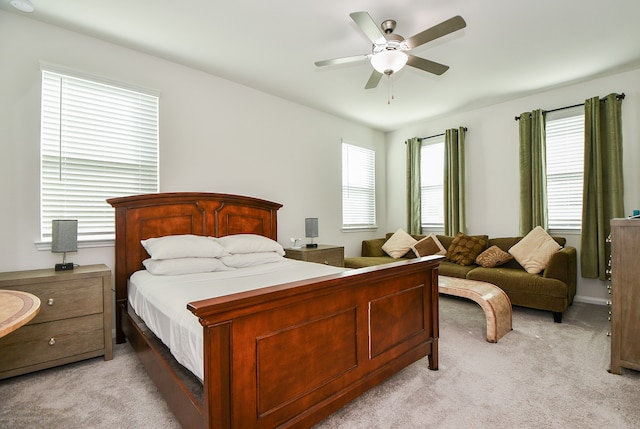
{"x": 16, "y": 309}
{"x": 323, "y": 254}
{"x": 74, "y": 321}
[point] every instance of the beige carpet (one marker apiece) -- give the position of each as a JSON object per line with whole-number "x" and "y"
{"x": 540, "y": 375}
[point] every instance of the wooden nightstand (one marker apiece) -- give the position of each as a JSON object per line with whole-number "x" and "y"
{"x": 74, "y": 322}
{"x": 323, "y": 254}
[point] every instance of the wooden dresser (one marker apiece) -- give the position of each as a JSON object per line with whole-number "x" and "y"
{"x": 323, "y": 254}
{"x": 74, "y": 321}
{"x": 625, "y": 294}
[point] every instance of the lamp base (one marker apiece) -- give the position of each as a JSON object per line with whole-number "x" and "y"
{"x": 310, "y": 245}
{"x": 64, "y": 267}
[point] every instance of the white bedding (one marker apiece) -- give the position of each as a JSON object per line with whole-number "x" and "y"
{"x": 161, "y": 301}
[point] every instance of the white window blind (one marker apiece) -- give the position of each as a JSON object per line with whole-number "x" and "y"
{"x": 98, "y": 141}
{"x": 358, "y": 186}
{"x": 432, "y": 183}
{"x": 565, "y": 167}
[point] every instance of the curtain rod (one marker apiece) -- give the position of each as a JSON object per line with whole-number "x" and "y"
{"x": 618, "y": 96}
{"x": 438, "y": 135}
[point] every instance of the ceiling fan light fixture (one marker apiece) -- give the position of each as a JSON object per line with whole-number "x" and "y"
{"x": 22, "y": 5}
{"x": 389, "y": 61}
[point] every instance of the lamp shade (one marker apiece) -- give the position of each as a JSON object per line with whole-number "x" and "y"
{"x": 311, "y": 227}
{"x": 389, "y": 61}
{"x": 64, "y": 236}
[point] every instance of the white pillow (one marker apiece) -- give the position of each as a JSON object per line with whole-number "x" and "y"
{"x": 242, "y": 260}
{"x": 249, "y": 243}
{"x": 534, "y": 250}
{"x": 398, "y": 244}
{"x": 183, "y": 246}
{"x": 177, "y": 266}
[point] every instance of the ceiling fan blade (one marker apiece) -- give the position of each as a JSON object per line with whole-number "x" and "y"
{"x": 426, "y": 65}
{"x": 368, "y": 27}
{"x": 342, "y": 60}
{"x": 449, "y": 26}
{"x": 374, "y": 79}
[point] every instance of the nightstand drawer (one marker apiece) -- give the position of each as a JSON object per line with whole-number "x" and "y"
{"x": 76, "y": 298}
{"x": 44, "y": 342}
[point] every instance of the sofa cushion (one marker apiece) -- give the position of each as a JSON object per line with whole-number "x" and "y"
{"x": 367, "y": 261}
{"x": 373, "y": 247}
{"x": 465, "y": 249}
{"x": 430, "y": 245}
{"x": 534, "y": 250}
{"x": 445, "y": 240}
{"x": 493, "y": 257}
{"x": 399, "y": 244}
{"x": 524, "y": 289}
{"x": 451, "y": 269}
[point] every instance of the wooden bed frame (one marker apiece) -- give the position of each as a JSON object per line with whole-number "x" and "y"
{"x": 282, "y": 356}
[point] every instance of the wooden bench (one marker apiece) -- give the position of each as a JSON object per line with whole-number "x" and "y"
{"x": 494, "y": 302}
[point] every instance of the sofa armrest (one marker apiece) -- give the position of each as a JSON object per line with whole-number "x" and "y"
{"x": 373, "y": 247}
{"x": 563, "y": 266}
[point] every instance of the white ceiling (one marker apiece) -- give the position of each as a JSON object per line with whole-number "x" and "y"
{"x": 510, "y": 48}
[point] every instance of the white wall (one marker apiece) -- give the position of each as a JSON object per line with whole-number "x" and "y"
{"x": 215, "y": 136}
{"x": 492, "y": 175}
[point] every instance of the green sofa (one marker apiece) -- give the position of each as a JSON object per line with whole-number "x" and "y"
{"x": 552, "y": 290}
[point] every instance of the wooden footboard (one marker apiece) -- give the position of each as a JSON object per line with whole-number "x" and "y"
{"x": 289, "y": 356}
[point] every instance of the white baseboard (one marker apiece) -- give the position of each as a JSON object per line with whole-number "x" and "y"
{"x": 590, "y": 300}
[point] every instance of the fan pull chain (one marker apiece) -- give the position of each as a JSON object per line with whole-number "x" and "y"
{"x": 390, "y": 89}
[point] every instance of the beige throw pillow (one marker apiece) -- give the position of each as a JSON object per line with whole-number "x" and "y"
{"x": 534, "y": 250}
{"x": 493, "y": 257}
{"x": 430, "y": 245}
{"x": 398, "y": 244}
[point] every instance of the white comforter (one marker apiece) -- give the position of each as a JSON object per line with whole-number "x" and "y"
{"x": 161, "y": 301}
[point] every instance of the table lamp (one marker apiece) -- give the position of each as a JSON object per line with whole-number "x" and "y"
{"x": 311, "y": 230}
{"x": 64, "y": 238}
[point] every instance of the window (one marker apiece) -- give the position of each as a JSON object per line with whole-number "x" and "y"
{"x": 565, "y": 167}
{"x": 98, "y": 141}
{"x": 358, "y": 187}
{"x": 432, "y": 183}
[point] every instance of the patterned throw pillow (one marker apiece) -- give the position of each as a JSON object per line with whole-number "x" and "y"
{"x": 465, "y": 249}
{"x": 493, "y": 257}
{"x": 430, "y": 245}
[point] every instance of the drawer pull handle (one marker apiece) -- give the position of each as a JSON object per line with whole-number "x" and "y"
{"x": 52, "y": 341}
{"x": 50, "y": 301}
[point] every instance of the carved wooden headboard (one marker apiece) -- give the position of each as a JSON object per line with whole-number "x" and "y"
{"x": 140, "y": 217}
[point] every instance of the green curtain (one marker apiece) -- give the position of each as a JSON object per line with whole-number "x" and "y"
{"x": 603, "y": 189}
{"x": 533, "y": 172}
{"x": 454, "y": 187}
{"x": 414, "y": 225}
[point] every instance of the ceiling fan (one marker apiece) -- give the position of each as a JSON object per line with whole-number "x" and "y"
{"x": 389, "y": 52}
